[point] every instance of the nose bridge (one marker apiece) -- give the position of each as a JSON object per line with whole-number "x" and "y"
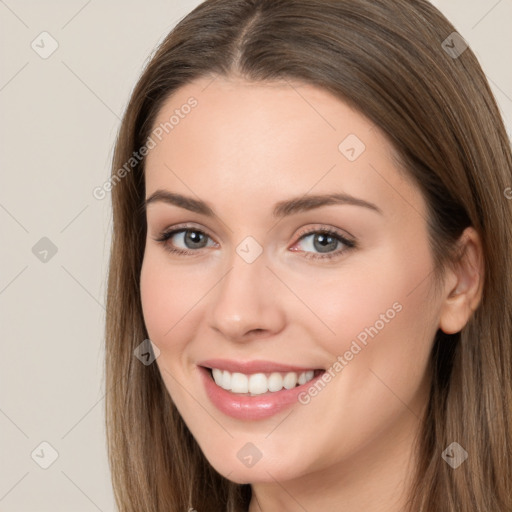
{"x": 246, "y": 297}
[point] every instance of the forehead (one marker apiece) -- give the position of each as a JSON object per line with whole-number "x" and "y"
{"x": 253, "y": 140}
{"x": 238, "y": 117}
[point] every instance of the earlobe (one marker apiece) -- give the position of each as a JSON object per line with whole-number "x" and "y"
{"x": 464, "y": 284}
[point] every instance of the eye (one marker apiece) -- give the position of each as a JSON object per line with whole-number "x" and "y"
{"x": 191, "y": 237}
{"x": 326, "y": 241}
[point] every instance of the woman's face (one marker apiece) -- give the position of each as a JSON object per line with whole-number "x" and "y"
{"x": 337, "y": 324}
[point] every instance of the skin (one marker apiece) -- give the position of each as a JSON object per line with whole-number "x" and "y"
{"x": 245, "y": 147}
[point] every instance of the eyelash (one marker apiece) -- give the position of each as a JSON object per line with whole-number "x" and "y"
{"x": 349, "y": 244}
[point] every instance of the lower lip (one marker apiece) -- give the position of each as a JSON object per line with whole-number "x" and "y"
{"x": 257, "y": 407}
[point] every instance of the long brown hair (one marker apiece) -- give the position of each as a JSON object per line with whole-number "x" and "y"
{"x": 389, "y": 60}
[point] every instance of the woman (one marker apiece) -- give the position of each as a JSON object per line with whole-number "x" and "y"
{"x": 311, "y": 225}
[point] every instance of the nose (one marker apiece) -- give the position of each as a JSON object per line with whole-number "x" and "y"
{"x": 246, "y": 305}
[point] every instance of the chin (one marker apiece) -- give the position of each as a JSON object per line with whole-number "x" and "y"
{"x": 241, "y": 469}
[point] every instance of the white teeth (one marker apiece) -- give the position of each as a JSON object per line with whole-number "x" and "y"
{"x": 259, "y": 383}
{"x": 226, "y": 380}
{"x": 290, "y": 380}
{"x": 217, "y": 374}
{"x": 239, "y": 383}
{"x": 275, "y": 382}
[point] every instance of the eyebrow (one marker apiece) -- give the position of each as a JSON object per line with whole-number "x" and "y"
{"x": 281, "y": 209}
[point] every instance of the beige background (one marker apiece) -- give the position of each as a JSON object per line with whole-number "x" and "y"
{"x": 59, "y": 119}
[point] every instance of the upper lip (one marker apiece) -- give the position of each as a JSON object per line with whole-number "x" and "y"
{"x": 250, "y": 367}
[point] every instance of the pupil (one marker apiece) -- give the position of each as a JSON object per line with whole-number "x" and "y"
{"x": 324, "y": 242}
{"x": 194, "y": 237}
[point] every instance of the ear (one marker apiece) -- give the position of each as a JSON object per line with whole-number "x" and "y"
{"x": 463, "y": 284}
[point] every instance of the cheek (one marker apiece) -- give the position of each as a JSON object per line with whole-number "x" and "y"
{"x": 167, "y": 306}
{"x": 371, "y": 292}
{"x": 156, "y": 293}
{"x": 166, "y": 297}
{"x": 388, "y": 319}
{"x": 380, "y": 313}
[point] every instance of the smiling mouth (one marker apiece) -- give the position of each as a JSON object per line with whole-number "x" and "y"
{"x": 255, "y": 384}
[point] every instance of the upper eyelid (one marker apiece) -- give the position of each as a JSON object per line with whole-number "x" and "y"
{"x": 322, "y": 228}
{"x": 179, "y": 228}
{"x": 302, "y": 232}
